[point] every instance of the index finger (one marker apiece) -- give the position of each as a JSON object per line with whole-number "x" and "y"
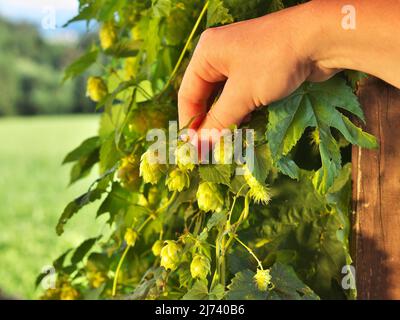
{"x": 198, "y": 84}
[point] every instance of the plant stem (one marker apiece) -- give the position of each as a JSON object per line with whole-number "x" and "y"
{"x": 222, "y": 245}
{"x": 185, "y": 48}
{"x": 242, "y": 217}
{"x": 164, "y": 207}
{"x": 115, "y": 282}
{"x": 234, "y": 202}
{"x": 121, "y": 260}
{"x": 250, "y": 251}
{"x": 223, "y": 262}
{"x": 145, "y": 223}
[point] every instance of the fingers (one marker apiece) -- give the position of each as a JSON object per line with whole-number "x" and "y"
{"x": 199, "y": 83}
{"x": 192, "y": 99}
{"x": 230, "y": 109}
{"x": 206, "y": 70}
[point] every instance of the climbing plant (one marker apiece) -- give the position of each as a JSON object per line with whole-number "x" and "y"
{"x": 185, "y": 231}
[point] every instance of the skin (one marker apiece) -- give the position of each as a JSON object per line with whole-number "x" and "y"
{"x": 263, "y": 60}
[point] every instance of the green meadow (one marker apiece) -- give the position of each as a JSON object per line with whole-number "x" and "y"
{"x": 33, "y": 192}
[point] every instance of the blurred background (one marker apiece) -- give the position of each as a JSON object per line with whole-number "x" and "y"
{"x": 41, "y": 119}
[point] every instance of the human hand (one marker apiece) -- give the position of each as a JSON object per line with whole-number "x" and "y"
{"x": 256, "y": 61}
{"x": 265, "y": 59}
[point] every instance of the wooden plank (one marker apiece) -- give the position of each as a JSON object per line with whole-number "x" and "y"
{"x": 376, "y": 196}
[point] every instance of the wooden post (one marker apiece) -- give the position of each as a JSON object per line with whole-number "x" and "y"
{"x": 376, "y": 196}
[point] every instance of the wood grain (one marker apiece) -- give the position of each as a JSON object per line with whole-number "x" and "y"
{"x": 376, "y": 196}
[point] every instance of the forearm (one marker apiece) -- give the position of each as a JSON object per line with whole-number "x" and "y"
{"x": 373, "y": 46}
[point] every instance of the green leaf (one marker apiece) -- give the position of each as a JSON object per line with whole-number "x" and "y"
{"x": 83, "y": 249}
{"x": 262, "y": 163}
{"x": 288, "y": 286}
{"x": 83, "y": 167}
{"x": 86, "y": 156}
{"x": 331, "y": 160}
{"x": 108, "y": 9}
{"x": 199, "y": 291}
{"x": 285, "y": 286}
{"x": 217, "y": 219}
{"x": 161, "y": 8}
{"x": 108, "y": 154}
{"x": 315, "y": 105}
{"x": 184, "y": 275}
{"x": 111, "y": 120}
{"x": 339, "y": 194}
{"x": 354, "y": 77}
{"x": 179, "y": 26}
{"x": 109, "y": 100}
{"x": 339, "y": 197}
{"x": 41, "y": 277}
{"x": 220, "y": 173}
{"x": 218, "y": 14}
{"x": 87, "y": 12}
{"x": 84, "y": 149}
{"x": 125, "y": 48}
{"x": 73, "y": 207}
{"x": 147, "y": 282}
{"x": 356, "y": 135}
{"x": 239, "y": 185}
{"x": 95, "y": 293}
{"x": 275, "y": 5}
{"x": 288, "y": 167}
{"x": 119, "y": 200}
{"x": 243, "y": 287}
{"x": 238, "y": 260}
{"x": 217, "y": 293}
{"x": 58, "y": 265}
{"x": 299, "y": 219}
{"x": 152, "y": 44}
{"x": 81, "y": 64}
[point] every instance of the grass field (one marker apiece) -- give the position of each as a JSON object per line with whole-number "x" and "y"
{"x": 33, "y": 191}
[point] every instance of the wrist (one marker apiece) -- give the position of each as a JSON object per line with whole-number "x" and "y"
{"x": 311, "y": 37}
{"x": 332, "y": 43}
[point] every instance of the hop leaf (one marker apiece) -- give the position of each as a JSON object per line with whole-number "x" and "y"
{"x": 170, "y": 255}
{"x": 262, "y": 279}
{"x": 316, "y": 105}
{"x": 96, "y": 89}
{"x": 150, "y": 169}
{"x": 130, "y": 237}
{"x": 156, "y": 248}
{"x": 200, "y": 266}
{"x": 258, "y": 192}
{"x": 209, "y": 197}
{"x": 177, "y": 180}
{"x": 107, "y": 35}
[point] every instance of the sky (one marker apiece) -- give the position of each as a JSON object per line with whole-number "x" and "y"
{"x": 49, "y": 15}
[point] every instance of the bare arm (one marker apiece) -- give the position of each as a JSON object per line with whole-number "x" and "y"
{"x": 265, "y": 59}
